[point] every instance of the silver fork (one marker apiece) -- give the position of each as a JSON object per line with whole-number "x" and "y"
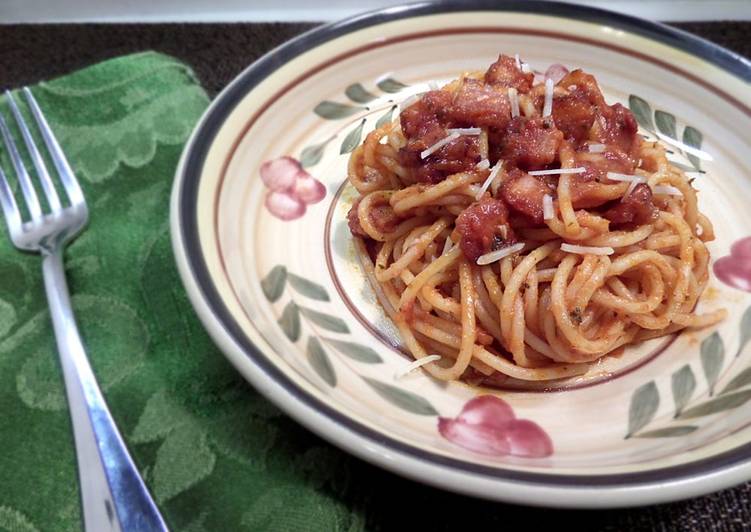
{"x": 113, "y": 495}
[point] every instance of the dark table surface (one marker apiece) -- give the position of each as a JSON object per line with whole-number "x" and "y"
{"x": 218, "y": 52}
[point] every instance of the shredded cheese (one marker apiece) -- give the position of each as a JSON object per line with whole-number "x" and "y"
{"x": 482, "y": 165}
{"x": 415, "y": 365}
{"x": 577, "y": 170}
{"x": 586, "y": 250}
{"x": 685, "y": 147}
{"x": 489, "y": 180}
{"x": 667, "y": 190}
{"x": 447, "y": 245}
{"x": 465, "y": 130}
{"x": 518, "y": 61}
{"x": 596, "y": 148}
{"x": 547, "y": 109}
{"x": 514, "y": 99}
{"x": 493, "y": 256}
{"x": 629, "y": 190}
{"x": 547, "y": 207}
{"x": 526, "y": 68}
{"x": 438, "y": 145}
{"x": 614, "y": 176}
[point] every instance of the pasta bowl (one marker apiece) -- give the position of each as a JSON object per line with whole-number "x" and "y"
{"x": 259, "y": 226}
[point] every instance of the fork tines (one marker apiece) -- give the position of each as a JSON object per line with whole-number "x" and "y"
{"x": 72, "y": 188}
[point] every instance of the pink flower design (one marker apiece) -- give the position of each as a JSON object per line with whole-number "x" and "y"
{"x": 487, "y": 425}
{"x": 291, "y": 188}
{"x": 735, "y": 269}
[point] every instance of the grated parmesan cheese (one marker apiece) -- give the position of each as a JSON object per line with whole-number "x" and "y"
{"x": 547, "y": 207}
{"x": 415, "y": 365}
{"x": 447, "y": 245}
{"x": 482, "y": 165}
{"x": 615, "y": 176}
{"x": 629, "y": 190}
{"x": 547, "y": 109}
{"x": 514, "y": 99}
{"x": 587, "y": 250}
{"x": 465, "y": 130}
{"x": 493, "y": 256}
{"x": 596, "y": 148}
{"x": 577, "y": 170}
{"x": 667, "y": 190}
{"x": 489, "y": 180}
{"x": 438, "y": 145}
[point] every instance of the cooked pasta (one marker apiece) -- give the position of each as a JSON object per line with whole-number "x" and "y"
{"x": 525, "y": 229}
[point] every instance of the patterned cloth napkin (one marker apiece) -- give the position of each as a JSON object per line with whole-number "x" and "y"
{"x": 215, "y": 454}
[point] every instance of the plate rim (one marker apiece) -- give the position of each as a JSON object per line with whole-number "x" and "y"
{"x": 609, "y": 490}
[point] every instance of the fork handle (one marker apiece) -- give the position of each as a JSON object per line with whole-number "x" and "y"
{"x": 113, "y": 494}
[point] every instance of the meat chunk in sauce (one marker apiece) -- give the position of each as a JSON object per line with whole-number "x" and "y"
{"x": 573, "y": 115}
{"x": 523, "y": 194}
{"x": 424, "y": 123}
{"x": 578, "y": 81}
{"x": 531, "y": 143}
{"x": 636, "y": 209}
{"x": 505, "y": 73}
{"x": 616, "y": 125}
{"x": 479, "y": 105}
{"x": 484, "y": 228}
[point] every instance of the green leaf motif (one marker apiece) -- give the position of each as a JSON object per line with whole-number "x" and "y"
{"x": 391, "y": 85}
{"x": 682, "y": 384}
{"x": 352, "y": 139}
{"x": 273, "y": 284}
{"x": 667, "y": 432}
{"x": 308, "y": 288}
{"x": 14, "y": 521}
{"x": 644, "y": 404}
{"x": 666, "y": 124}
{"x": 718, "y": 404}
{"x": 386, "y": 117}
{"x": 320, "y": 362}
{"x": 358, "y": 352}
{"x": 693, "y": 137}
{"x": 745, "y": 330}
{"x": 327, "y": 321}
{"x": 7, "y": 317}
{"x": 311, "y": 155}
{"x": 334, "y": 110}
{"x": 160, "y": 416}
{"x": 357, "y": 93}
{"x": 116, "y": 338}
{"x": 712, "y": 355}
{"x": 642, "y": 111}
{"x": 290, "y": 321}
{"x": 402, "y": 398}
{"x": 739, "y": 381}
{"x": 183, "y": 459}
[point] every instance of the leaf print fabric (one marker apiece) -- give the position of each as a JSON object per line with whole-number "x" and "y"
{"x": 212, "y": 450}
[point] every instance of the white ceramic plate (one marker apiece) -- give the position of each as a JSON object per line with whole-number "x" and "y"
{"x": 287, "y": 302}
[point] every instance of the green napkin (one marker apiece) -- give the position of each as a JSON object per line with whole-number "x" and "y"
{"x": 216, "y": 455}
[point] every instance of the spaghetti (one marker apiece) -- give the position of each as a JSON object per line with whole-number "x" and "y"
{"x": 521, "y": 229}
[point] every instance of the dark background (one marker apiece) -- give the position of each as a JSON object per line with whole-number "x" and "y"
{"x": 218, "y": 52}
